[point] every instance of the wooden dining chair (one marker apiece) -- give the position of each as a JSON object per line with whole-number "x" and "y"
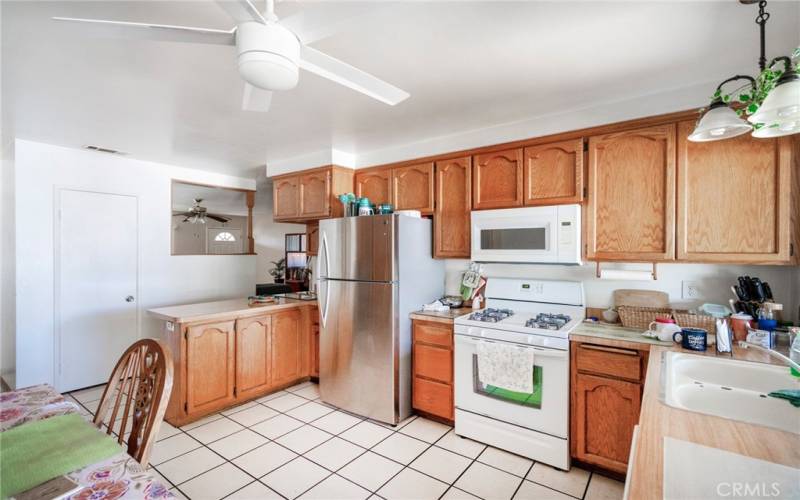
{"x": 137, "y": 394}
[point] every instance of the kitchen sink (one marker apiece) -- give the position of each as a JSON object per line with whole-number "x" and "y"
{"x": 730, "y": 388}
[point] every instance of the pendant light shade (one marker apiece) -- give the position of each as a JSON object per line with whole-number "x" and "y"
{"x": 719, "y": 122}
{"x": 782, "y": 105}
{"x": 788, "y": 127}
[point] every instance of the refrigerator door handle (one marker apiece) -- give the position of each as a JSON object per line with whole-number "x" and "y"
{"x": 324, "y": 301}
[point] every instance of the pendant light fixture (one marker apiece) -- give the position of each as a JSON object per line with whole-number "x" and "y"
{"x": 772, "y": 101}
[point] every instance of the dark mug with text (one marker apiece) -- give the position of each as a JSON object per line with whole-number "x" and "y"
{"x": 695, "y": 339}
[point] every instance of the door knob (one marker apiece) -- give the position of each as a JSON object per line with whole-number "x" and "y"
{"x": 129, "y": 298}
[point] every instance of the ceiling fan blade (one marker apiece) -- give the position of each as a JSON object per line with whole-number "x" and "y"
{"x": 256, "y": 99}
{"x": 318, "y": 22}
{"x": 157, "y": 32}
{"x": 218, "y": 218}
{"x": 242, "y": 11}
{"x": 342, "y": 73}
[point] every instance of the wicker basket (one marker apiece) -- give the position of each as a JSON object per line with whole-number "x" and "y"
{"x": 641, "y": 317}
{"x": 704, "y": 321}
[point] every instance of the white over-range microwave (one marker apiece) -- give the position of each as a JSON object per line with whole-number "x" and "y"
{"x": 530, "y": 235}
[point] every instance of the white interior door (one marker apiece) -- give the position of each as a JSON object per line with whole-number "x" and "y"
{"x": 96, "y": 281}
{"x": 223, "y": 240}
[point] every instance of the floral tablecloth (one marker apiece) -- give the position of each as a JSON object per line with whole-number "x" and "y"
{"x": 117, "y": 477}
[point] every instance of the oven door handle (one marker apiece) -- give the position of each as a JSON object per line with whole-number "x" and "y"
{"x": 540, "y": 351}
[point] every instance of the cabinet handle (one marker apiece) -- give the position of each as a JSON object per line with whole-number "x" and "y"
{"x": 615, "y": 350}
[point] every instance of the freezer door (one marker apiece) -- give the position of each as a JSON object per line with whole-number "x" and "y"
{"x": 358, "y": 348}
{"x": 358, "y": 248}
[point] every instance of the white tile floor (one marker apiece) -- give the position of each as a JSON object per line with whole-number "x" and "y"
{"x": 290, "y": 445}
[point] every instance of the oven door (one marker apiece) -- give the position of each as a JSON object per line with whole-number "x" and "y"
{"x": 545, "y": 410}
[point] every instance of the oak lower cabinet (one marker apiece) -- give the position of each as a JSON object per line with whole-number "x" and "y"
{"x": 497, "y": 179}
{"x": 630, "y": 214}
{"x": 210, "y": 366}
{"x": 734, "y": 199}
{"x": 224, "y": 362}
{"x": 606, "y": 395}
{"x": 253, "y": 354}
{"x": 310, "y": 194}
{"x": 554, "y": 173}
{"x": 451, "y": 219}
{"x": 432, "y": 368}
{"x": 375, "y": 185}
{"x": 412, "y": 187}
{"x": 286, "y": 349}
{"x": 314, "y": 339}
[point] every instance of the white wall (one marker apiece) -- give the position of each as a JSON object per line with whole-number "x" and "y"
{"x": 269, "y": 235}
{"x": 714, "y": 280}
{"x": 7, "y": 293}
{"x": 41, "y": 169}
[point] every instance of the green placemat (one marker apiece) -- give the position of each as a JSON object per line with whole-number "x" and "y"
{"x": 33, "y": 453}
{"x": 524, "y": 398}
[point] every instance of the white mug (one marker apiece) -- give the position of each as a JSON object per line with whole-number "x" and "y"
{"x": 664, "y": 331}
{"x": 365, "y": 211}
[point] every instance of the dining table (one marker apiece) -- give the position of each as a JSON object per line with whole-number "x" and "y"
{"x": 117, "y": 477}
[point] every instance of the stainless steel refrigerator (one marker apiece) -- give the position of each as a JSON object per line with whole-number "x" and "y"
{"x": 372, "y": 271}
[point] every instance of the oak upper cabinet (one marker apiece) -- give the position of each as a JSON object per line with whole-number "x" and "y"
{"x": 311, "y": 194}
{"x": 497, "y": 179}
{"x": 286, "y": 198}
{"x": 554, "y": 173}
{"x": 375, "y": 185}
{"x": 733, "y": 199}
{"x": 315, "y": 194}
{"x": 253, "y": 350}
{"x": 630, "y": 214}
{"x": 286, "y": 355}
{"x": 451, "y": 220}
{"x": 210, "y": 366}
{"x": 412, "y": 187}
{"x": 312, "y": 238}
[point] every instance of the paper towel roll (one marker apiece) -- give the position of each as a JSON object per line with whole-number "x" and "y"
{"x": 625, "y": 275}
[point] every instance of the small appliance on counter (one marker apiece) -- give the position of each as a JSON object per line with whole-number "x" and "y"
{"x": 298, "y": 295}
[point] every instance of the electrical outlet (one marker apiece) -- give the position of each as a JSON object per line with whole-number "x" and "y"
{"x": 690, "y": 290}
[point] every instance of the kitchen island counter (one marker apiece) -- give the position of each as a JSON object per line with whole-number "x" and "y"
{"x": 222, "y": 309}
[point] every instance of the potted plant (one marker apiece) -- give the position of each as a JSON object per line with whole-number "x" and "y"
{"x": 278, "y": 271}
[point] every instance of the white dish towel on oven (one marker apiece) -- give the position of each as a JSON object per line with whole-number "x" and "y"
{"x": 506, "y": 366}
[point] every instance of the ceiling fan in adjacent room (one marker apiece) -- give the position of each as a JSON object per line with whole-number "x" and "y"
{"x": 270, "y": 52}
{"x": 198, "y": 213}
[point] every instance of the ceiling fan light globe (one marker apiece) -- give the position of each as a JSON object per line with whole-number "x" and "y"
{"x": 268, "y": 71}
{"x": 719, "y": 122}
{"x": 269, "y": 55}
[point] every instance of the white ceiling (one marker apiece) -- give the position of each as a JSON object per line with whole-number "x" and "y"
{"x": 467, "y": 65}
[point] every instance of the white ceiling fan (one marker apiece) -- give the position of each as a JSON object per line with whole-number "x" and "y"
{"x": 270, "y": 51}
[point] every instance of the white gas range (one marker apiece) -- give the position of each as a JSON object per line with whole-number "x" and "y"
{"x": 538, "y": 315}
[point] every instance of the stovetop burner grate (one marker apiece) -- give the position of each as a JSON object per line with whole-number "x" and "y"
{"x": 548, "y": 321}
{"x": 491, "y": 315}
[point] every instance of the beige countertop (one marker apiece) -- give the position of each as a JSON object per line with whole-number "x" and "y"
{"x": 658, "y": 421}
{"x": 614, "y": 335}
{"x": 223, "y": 309}
{"x": 442, "y": 317}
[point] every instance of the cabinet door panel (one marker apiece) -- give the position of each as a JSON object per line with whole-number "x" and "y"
{"x": 210, "y": 365}
{"x": 315, "y": 194}
{"x": 375, "y": 185}
{"x": 286, "y": 198}
{"x": 433, "y": 397}
{"x": 631, "y": 208}
{"x": 252, "y": 355}
{"x": 312, "y": 238}
{"x": 733, "y": 199}
{"x": 497, "y": 179}
{"x": 554, "y": 173}
{"x": 433, "y": 362}
{"x": 451, "y": 221}
{"x": 286, "y": 347}
{"x": 412, "y": 187}
{"x": 606, "y": 412}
